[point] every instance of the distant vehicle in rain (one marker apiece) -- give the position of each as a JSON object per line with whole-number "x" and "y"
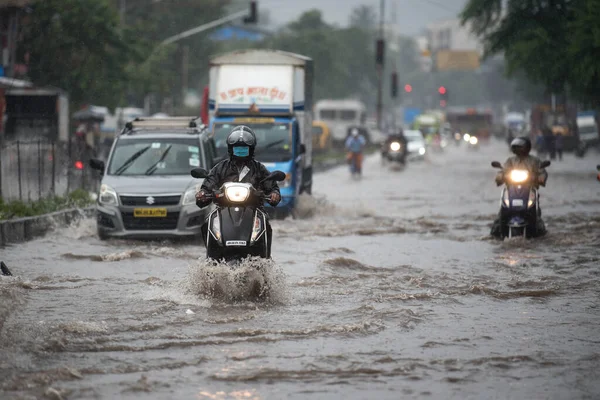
{"x": 415, "y": 146}
{"x": 340, "y": 115}
{"x": 476, "y": 122}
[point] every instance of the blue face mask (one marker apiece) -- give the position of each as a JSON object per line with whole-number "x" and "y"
{"x": 241, "y": 151}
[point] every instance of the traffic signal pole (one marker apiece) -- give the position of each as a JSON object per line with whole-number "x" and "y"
{"x": 380, "y": 65}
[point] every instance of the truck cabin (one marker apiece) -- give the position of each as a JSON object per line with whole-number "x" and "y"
{"x": 274, "y": 137}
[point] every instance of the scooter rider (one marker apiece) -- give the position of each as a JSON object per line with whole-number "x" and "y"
{"x": 395, "y": 137}
{"x": 355, "y": 144}
{"x": 240, "y": 167}
{"x": 521, "y": 146}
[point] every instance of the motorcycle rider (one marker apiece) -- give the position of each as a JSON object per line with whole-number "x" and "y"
{"x": 355, "y": 144}
{"x": 521, "y": 146}
{"x": 240, "y": 167}
{"x": 395, "y": 137}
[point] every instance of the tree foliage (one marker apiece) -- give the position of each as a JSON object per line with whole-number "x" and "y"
{"x": 555, "y": 43}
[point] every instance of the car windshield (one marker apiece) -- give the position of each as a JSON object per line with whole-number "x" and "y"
{"x": 161, "y": 156}
{"x": 413, "y": 136}
{"x": 273, "y": 140}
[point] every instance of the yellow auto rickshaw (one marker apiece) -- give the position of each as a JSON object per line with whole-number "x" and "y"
{"x": 321, "y": 136}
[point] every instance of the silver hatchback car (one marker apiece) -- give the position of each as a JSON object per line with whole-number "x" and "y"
{"x": 146, "y": 189}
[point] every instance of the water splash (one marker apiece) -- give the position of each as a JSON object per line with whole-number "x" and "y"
{"x": 253, "y": 278}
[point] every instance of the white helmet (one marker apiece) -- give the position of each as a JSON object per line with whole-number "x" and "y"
{"x": 354, "y": 132}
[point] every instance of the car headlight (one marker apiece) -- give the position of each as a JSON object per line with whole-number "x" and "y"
{"x": 473, "y": 140}
{"x": 422, "y": 150}
{"x": 237, "y": 194}
{"x": 395, "y": 146}
{"x": 287, "y": 181}
{"x": 190, "y": 196}
{"x": 107, "y": 195}
{"x": 257, "y": 229}
{"x": 519, "y": 175}
{"x": 467, "y": 137}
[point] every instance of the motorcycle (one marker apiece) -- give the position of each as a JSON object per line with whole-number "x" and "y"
{"x": 519, "y": 203}
{"x": 473, "y": 143}
{"x": 238, "y": 227}
{"x": 394, "y": 152}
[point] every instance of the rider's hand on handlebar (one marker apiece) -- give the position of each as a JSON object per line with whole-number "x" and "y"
{"x": 202, "y": 196}
{"x": 274, "y": 198}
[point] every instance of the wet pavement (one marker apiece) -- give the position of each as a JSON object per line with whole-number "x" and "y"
{"x": 383, "y": 288}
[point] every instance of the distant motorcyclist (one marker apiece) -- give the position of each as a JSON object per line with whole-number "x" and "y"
{"x": 521, "y": 147}
{"x": 395, "y": 137}
{"x": 355, "y": 144}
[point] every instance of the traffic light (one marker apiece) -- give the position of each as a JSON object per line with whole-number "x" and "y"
{"x": 394, "y": 85}
{"x": 380, "y": 50}
{"x": 253, "y": 17}
{"x": 407, "y": 88}
{"x": 443, "y": 96}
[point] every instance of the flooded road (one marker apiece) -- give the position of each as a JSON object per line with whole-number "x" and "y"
{"x": 384, "y": 288}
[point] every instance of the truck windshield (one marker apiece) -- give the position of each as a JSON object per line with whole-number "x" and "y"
{"x": 273, "y": 140}
{"x": 154, "y": 157}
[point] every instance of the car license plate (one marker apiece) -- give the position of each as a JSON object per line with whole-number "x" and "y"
{"x": 150, "y": 212}
{"x": 517, "y": 203}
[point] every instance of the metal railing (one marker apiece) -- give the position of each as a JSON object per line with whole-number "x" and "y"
{"x": 34, "y": 169}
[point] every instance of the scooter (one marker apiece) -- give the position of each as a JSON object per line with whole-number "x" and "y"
{"x": 394, "y": 152}
{"x": 355, "y": 162}
{"x": 519, "y": 203}
{"x": 238, "y": 227}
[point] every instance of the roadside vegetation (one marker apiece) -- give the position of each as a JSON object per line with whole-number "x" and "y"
{"x": 15, "y": 209}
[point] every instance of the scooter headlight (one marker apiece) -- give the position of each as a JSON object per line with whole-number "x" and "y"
{"x": 473, "y": 140}
{"x": 395, "y": 146}
{"x": 257, "y": 229}
{"x": 531, "y": 200}
{"x": 519, "y": 175}
{"x": 216, "y": 227}
{"x": 467, "y": 137}
{"x": 237, "y": 194}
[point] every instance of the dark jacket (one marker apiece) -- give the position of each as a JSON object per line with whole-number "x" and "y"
{"x": 229, "y": 171}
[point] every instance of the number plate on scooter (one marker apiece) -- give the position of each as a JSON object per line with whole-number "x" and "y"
{"x": 517, "y": 203}
{"x": 235, "y": 243}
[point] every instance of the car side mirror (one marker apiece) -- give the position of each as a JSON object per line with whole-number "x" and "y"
{"x": 545, "y": 164}
{"x": 302, "y": 149}
{"x": 199, "y": 173}
{"x": 496, "y": 164}
{"x": 97, "y": 164}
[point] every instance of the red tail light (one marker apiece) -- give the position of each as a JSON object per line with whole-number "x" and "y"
{"x": 78, "y": 165}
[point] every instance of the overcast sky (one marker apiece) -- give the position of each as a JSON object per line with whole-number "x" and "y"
{"x": 411, "y": 15}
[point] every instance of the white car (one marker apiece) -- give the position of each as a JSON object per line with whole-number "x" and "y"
{"x": 415, "y": 144}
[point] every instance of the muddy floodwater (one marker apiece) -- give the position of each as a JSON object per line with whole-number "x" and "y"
{"x": 383, "y": 288}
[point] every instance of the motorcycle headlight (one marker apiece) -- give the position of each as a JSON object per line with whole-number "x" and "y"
{"x": 467, "y": 137}
{"x": 107, "y": 195}
{"x": 216, "y": 227}
{"x": 287, "y": 181}
{"x": 257, "y": 229}
{"x": 237, "y": 194}
{"x": 519, "y": 175}
{"x": 473, "y": 140}
{"x": 190, "y": 196}
{"x": 395, "y": 146}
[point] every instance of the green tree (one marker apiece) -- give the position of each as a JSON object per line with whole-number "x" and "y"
{"x": 77, "y": 46}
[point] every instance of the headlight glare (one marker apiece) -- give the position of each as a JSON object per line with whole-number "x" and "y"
{"x": 473, "y": 140}
{"x": 395, "y": 146}
{"x": 237, "y": 194}
{"x": 107, "y": 195}
{"x": 422, "y": 150}
{"x": 519, "y": 175}
{"x": 467, "y": 137}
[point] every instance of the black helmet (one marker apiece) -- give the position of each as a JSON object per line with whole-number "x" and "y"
{"x": 521, "y": 146}
{"x": 240, "y": 138}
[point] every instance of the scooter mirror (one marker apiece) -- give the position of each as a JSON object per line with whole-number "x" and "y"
{"x": 276, "y": 176}
{"x": 199, "y": 173}
{"x": 545, "y": 164}
{"x": 496, "y": 164}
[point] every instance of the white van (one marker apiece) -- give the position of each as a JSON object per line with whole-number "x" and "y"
{"x": 588, "y": 130}
{"x": 339, "y": 115}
